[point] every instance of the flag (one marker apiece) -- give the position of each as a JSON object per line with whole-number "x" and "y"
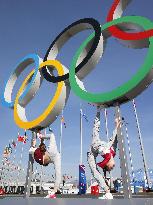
{"x": 14, "y": 143}
{"x": 63, "y": 121}
{"x": 82, "y": 180}
{"x": 25, "y": 136}
{"x": 10, "y": 148}
{"x": 22, "y": 138}
{"x": 6, "y": 152}
{"x": 92, "y": 104}
{"x": 85, "y": 117}
{"x": 50, "y": 129}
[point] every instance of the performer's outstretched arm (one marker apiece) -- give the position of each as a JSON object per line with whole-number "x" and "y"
{"x": 57, "y": 167}
{"x": 52, "y": 149}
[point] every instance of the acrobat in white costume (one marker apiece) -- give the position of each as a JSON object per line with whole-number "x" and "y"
{"x": 107, "y": 150}
{"x": 51, "y": 155}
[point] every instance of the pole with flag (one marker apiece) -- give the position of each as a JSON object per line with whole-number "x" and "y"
{"x": 82, "y": 176}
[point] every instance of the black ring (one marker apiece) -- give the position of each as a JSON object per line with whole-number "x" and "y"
{"x": 91, "y": 23}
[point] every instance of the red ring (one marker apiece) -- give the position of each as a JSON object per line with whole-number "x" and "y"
{"x": 116, "y": 32}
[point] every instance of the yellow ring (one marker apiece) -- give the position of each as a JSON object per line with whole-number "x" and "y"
{"x": 34, "y": 123}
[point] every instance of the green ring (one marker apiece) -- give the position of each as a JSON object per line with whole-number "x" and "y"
{"x": 120, "y": 91}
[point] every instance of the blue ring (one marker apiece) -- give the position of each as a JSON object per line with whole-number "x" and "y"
{"x": 35, "y": 58}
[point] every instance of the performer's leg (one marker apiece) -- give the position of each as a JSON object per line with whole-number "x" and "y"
{"x": 52, "y": 149}
{"x": 114, "y": 145}
{"x": 57, "y": 166}
{"x": 99, "y": 178}
{"x": 96, "y": 128}
{"x": 113, "y": 140}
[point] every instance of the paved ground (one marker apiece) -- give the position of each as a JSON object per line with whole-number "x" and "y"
{"x": 74, "y": 201}
{"x": 64, "y": 196}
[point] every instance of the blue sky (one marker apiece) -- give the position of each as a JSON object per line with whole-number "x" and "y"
{"x": 30, "y": 27}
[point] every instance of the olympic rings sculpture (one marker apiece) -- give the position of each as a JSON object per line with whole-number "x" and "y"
{"x": 85, "y": 60}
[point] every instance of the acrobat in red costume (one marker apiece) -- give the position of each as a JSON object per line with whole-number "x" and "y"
{"x": 107, "y": 150}
{"x": 45, "y": 156}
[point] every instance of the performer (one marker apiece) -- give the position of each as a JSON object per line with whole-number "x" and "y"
{"x": 107, "y": 150}
{"x": 45, "y": 156}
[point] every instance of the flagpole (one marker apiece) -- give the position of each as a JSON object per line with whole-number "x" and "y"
{"x": 81, "y": 160}
{"x": 106, "y": 125}
{"x": 141, "y": 145}
{"x": 41, "y": 179}
{"x": 61, "y": 134}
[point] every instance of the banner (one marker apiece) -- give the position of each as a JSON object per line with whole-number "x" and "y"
{"x": 82, "y": 179}
{"x": 63, "y": 121}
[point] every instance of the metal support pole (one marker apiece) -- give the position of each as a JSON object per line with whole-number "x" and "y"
{"x": 41, "y": 180}
{"x": 141, "y": 145}
{"x": 107, "y": 135}
{"x": 2, "y": 174}
{"x": 123, "y": 159}
{"x": 61, "y": 133}
{"x": 29, "y": 172}
{"x": 129, "y": 148}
